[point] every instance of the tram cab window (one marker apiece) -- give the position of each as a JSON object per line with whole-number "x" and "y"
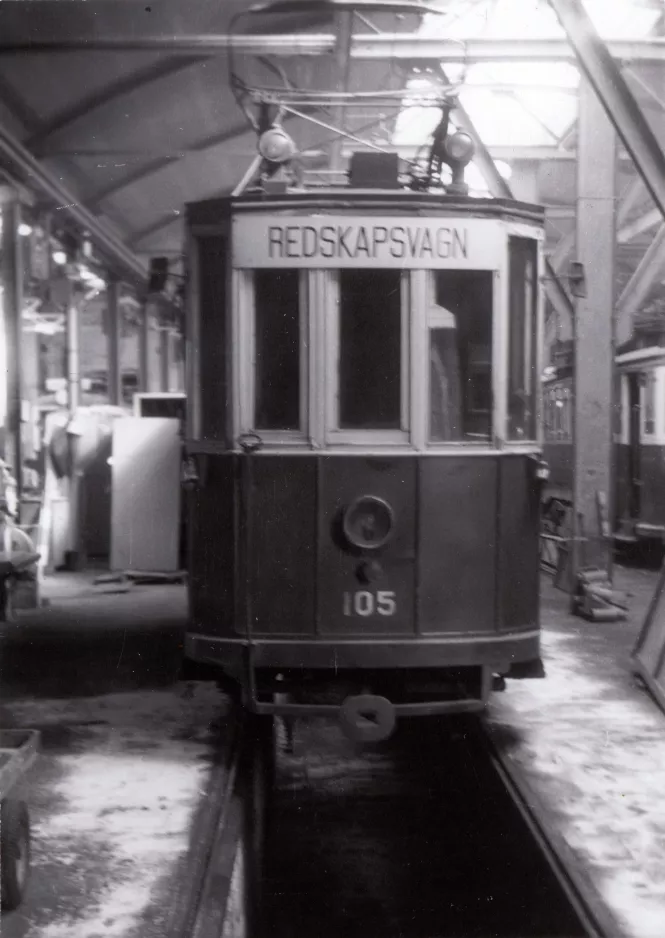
{"x": 523, "y": 339}
{"x": 460, "y": 356}
{"x": 370, "y": 350}
{"x": 277, "y": 385}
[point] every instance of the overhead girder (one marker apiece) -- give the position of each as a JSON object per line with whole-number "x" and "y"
{"x": 500, "y": 188}
{"x": 629, "y": 199}
{"x": 623, "y": 110}
{"x": 126, "y": 84}
{"x": 162, "y": 162}
{"x": 639, "y": 225}
{"x": 138, "y": 78}
{"x": 365, "y": 47}
{"x": 16, "y": 158}
{"x": 521, "y": 153}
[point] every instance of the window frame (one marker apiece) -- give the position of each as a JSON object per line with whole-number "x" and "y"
{"x": 650, "y": 387}
{"x": 532, "y": 338}
{"x": 319, "y": 350}
{"x": 246, "y": 358}
{"x": 496, "y": 364}
{"x": 330, "y": 313}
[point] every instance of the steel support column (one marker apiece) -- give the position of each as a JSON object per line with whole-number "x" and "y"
{"x": 12, "y": 304}
{"x": 113, "y": 336}
{"x": 594, "y": 332}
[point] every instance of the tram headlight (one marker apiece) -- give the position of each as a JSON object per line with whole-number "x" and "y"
{"x": 459, "y": 148}
{"x": 276, "y": 146}
{"x": 368, "y": 522}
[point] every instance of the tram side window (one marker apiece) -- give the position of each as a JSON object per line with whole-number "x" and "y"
{"x": 370, "y": 350}
{"x": 650, "y": 403}
{"x": 277, "y": 350}
{"x": 460, "y": 353}
{"x": 522, "y": 365}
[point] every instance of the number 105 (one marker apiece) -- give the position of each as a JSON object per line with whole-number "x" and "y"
{"x": 364, "y": 603}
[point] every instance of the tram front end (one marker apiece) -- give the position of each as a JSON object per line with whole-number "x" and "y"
{"x": 364, "y": 450}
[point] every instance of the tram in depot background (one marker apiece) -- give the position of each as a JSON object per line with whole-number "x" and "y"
{"x": 364, "y": 438}
{"x": 639, "y": 436}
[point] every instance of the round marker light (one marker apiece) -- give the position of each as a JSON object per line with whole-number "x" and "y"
{"x": 368, "y": 523}
{"x": 459, "y": 147}
{"x": 276, "y": 146}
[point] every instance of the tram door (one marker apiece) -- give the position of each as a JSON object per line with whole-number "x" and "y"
{"x": 634, "y": 430}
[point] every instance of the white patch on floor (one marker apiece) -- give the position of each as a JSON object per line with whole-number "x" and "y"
{"x": 129, "y": 795}
{"x": 593, "y": 748}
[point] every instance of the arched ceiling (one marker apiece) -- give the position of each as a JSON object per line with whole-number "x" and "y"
{"x": 136, "y": 132}
{"x": 135, "y": 123}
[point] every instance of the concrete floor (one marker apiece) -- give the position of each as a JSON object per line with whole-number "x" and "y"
{"x": 589, "y": 742}
{"x": 124, "y": 747}
{"x": 126, "y": 758}
{"x": 91, "y": 642}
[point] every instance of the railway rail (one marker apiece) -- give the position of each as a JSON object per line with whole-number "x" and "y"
{"x": 431, "y": 833}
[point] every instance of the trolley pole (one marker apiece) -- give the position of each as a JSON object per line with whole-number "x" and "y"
{"x": 594, "y": 336}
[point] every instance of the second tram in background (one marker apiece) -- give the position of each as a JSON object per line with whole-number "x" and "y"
{"x": 639, "y": 437}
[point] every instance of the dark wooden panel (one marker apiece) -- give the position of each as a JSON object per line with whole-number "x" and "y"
{"x": 621, "y": 481}
{"x": 559, "y": 458}
{"x": 211, "y": 549}
{"x": 213, "y": 259}
{"x": 457, "y": 508}
{"x": 283, "y": 544}
{"x": 518, "y": 557}
{"x": 342, "y": 480}
{"x": 652, "y": 500}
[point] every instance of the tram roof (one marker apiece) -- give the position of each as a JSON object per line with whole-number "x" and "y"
{"x": 210, "y": 212}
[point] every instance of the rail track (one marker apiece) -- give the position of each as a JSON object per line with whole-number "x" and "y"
{"x": 428, "y": 835}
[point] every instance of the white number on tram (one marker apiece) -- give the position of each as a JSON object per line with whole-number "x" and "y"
{"x": 363, "y": 603}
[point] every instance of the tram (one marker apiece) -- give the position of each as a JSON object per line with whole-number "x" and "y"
{"x": 364, "y": 441}
{"x": 639, "y": 439}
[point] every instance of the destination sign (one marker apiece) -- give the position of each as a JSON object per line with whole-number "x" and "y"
{"x": 347, "y": 241}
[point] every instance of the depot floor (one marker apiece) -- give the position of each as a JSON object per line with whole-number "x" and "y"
{"x": 127, "y": 751}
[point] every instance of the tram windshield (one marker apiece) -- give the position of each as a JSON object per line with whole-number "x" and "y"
{"x": 459, "y": 323}
{"x": 277, "y": 350}
{"x": 370, "y": 352}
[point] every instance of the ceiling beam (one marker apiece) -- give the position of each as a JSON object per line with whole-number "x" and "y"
{"x": 365, "y": 47}
{"x": 507, "y": 154}
{"x": 639, "y": 225}
{"x": 619, "y": 103}
{"x": 500, "y": 188}
{"x": 156, "y": 165}
{"x": 164, "y": 221}
{"x": 18, "y": 160}
{"x": 641, "y": 282}
{"x": 630, "y": 198}
{"x": 139, "y": 78}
